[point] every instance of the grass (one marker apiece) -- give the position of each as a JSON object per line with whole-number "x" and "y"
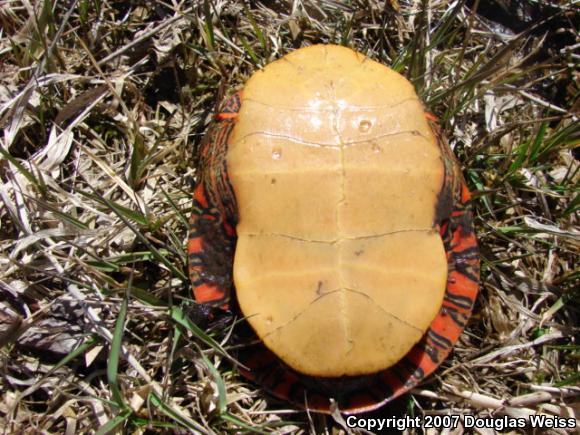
{"x": 103, "y": 105}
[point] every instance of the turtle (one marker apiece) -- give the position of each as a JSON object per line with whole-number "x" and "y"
{"x": 332, "y": 214}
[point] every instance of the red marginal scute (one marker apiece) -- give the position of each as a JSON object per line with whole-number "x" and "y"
{"x": 199, "y": 195}
{"x": 230, "y": 230}
{"x": 194, "y": 245}
{"x": 443, "y": 228}
{"x": 465, "y": 194}
{"x": 226, "y": 115}
{"x": 420, "y": 359}
{"x": 207, "y": 293}
{"x": 431, "y": 117}
{"x": 462, "y": 286}
{"x": 443, "y": 326}
{"x": 461, "y": 242}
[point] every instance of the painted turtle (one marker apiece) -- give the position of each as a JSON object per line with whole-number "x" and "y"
{"x": 331, "y": 203}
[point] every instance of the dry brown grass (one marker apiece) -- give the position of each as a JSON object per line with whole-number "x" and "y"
{"x": 102, "y": 106}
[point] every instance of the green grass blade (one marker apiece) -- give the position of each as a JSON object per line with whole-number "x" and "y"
{"x": 115, "y": 352}
{"x": 157, "y": 253}
{"x": 256, "y": 29}
{"x": 235, "y": 420}
{"x": 573, "y": 207}
{"x": 208, "y": 27}
{"x": 185, "y": 421}
{"x": 112, "y": 425}
{"x": 537, "y": 144}
{"x": 29, "y": 176}
{"x": 179, "y": 317}
{"x": 564, "y": 137}
{"x": 63, "y": 216}
{"x": 573, "y": 379}
{"x": 119, "y": 209}
{"x": 249, "y": 51}
{"x": 221, "y": 386}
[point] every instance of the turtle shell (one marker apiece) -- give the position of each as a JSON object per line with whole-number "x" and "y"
{"x": 335, "y": 208}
